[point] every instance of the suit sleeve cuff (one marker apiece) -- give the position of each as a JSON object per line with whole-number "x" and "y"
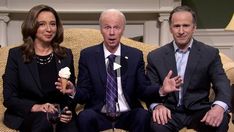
{"x": 153, "y": 105}
{"x": 222, "y": 104}
{"x": 72, "y": 95}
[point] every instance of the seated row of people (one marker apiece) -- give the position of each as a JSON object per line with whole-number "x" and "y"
{"x": 112, "y": 80}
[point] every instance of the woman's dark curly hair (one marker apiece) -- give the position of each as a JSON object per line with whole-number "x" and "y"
{"x": 29, "y": 30}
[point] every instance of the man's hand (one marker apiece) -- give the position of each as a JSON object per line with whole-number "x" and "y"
{"x": 170, "y": 84}
{"x": 214, "y": 116}
{"x": 70, "y": 89}
{"x": 161, "y": 114}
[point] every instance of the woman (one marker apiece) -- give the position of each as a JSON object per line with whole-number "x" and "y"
{"x": 31, "y": 72}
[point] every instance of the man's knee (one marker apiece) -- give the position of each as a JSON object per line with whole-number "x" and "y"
{"x": 142, "y": 114}
{"x": 225, "y": 122}
{"x": 86, "y": 116}
{"x": 155, "y": 127}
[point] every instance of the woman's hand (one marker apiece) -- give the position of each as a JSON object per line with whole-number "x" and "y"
{"x": 66, "y": 115}
{"x": 47, "y": 107}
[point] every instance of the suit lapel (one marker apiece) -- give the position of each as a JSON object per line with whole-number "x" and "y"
{"x": 34, "y": 72}
{"x": 59, "y": 63}
{"x": 169, "y": 58}
{"x": 193, "y": 61}
{"x": 170, "y": 63}
{"x": 124, "y": 65}
{"x": 100, "y": 62}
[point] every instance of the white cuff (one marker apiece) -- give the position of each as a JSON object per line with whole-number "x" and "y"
{"x": 222, "y": 104}
{"x": 153, "y": 105}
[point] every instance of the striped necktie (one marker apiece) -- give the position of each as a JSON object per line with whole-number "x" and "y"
{"x": 111, "y": 87}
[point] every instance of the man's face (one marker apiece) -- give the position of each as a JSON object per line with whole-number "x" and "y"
{"x": 182, "y": 28}
{"x": 112, "y": 28}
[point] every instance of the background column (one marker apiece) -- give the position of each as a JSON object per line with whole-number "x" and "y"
{"x": 4, "y": 19}
{"x": 165, "y": 35}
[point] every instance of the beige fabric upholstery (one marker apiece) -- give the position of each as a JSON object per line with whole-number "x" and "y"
{"x": 3, "y": 58}
{"x": 78, "y": 39}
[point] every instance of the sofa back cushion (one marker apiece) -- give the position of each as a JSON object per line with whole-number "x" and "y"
{"x": 80, "y": 38}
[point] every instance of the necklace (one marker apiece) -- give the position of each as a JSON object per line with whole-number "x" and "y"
{"x": 44, "y": 59}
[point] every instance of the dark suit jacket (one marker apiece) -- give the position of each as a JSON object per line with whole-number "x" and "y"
{"x": 22, "y": 88}
{"x": 92, "y": 77}
{"x": 203, "y": 68}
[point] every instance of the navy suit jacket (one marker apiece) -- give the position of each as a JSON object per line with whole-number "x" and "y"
{"x": 203, "y": 68}
{"x": 22, "y": 88}
{"x": 92, "y": 78}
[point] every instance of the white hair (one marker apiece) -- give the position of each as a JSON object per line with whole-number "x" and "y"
{"x": 113, "y": 11}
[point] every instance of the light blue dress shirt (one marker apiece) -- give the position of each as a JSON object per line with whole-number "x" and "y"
{"x": 181, "y": 63}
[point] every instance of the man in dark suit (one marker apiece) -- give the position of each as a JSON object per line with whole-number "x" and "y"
{"x": 112, "y": 99}
{"x": 199, "y": 65}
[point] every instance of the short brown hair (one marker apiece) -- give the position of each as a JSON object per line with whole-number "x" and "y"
{"x": 184, "y": 8}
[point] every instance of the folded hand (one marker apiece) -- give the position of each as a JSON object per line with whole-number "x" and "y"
{"x": 161, "y": 114}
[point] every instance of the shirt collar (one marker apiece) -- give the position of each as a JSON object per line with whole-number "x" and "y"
{"x": 107, "y": 53}
{"x": 176, "y": 48}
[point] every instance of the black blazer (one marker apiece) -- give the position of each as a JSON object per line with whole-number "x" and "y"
{"x": 22, "y": 88}
{"x": 203, "y": 68}
{"x": 92, "y": 77}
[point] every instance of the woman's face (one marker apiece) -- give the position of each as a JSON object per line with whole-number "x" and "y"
{"x": 47, "y": 28}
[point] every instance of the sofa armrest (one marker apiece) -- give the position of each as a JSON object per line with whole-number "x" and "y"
{"x": 229, "y": 69}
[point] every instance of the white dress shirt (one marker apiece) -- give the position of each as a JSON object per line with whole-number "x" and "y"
{"x": 122, "y": 104}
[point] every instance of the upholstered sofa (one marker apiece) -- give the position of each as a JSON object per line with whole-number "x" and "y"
{"x": 78, "y": 39}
